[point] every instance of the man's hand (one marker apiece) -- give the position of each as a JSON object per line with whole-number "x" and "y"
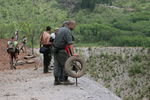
{"x": 76, "y": 55}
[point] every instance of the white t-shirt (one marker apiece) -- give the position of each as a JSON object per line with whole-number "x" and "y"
{"x": 53, "y": 36}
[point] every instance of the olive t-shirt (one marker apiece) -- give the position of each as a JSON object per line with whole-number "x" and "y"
{"x": 14, "y": 42}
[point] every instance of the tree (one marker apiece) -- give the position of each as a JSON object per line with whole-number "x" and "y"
{"x": 109, "y": 2}
{"x": 90, "y": 4}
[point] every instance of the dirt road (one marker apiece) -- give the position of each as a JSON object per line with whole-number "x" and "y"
{"x": 29, "y": 84}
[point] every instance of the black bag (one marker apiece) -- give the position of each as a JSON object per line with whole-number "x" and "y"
{"x": 43, "y": 50}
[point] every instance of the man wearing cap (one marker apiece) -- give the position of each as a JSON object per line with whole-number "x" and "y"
{"x": 63, "y": 39}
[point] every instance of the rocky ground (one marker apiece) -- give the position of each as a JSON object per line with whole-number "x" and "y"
{"x": 30, "y": 84}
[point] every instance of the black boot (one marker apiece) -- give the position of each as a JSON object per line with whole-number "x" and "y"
{"x": 57, "y": 82}
{"x": 66, "y": 78}
{"x": 61, "y": 79}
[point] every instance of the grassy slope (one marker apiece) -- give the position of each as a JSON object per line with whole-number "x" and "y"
{"x": 125, "y": 71}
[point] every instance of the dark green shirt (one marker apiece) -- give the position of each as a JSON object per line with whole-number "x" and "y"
{"x": 63, "y": 38}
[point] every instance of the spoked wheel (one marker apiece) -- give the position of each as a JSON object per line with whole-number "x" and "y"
{"x": 75, "y": 67}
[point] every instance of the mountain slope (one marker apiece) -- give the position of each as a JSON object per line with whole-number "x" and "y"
{"x": 104, "y": 25}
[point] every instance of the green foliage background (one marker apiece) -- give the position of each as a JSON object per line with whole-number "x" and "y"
{"x": 103, "y": 22}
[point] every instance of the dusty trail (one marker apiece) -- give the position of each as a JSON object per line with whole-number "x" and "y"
{"x": 29, "y": 84}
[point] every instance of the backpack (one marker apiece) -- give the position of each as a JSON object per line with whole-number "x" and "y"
{"x": 11, "y": 47}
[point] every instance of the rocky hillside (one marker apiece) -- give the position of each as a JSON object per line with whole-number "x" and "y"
{"x": 125, "y": 71}
{"x": 25, "y": 60}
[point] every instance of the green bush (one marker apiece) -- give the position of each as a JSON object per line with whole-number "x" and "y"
{"x": 137, "y": 58}
{"x": 131, "y": 41}
{"x": 137, "y": 68}
{"x": 96, "y": 32}
{"x": 138, "y": 21}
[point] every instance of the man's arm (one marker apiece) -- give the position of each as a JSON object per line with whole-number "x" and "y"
{"x": 7, "y": 44}
{"x": 17, "y": 46}
{"x": 69, "y": 41}
{"x": 71, "y": 48}
{"x": 41, "y": 36}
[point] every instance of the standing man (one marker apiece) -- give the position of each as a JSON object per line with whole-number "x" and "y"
{"x": 45, "y": 42}
{"x": 23, "y": 47}
{"x": 13, "y": 51}
{"x": 17, "y": 35}
{"x": 63, "y": 39}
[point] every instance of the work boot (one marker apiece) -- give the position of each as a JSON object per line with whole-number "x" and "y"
{"x": 45, "y": 72}
{"x": 57, "y": 82}
{"x": 68, "y": 83}
{"x": 14, "y": 67}
{"x": 66, "y": 78}
{"x": 61, "y": 79}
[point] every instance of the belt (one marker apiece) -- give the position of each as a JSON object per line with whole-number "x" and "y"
{"x": 58, "y": 48}
{"x": 46, "y": 45}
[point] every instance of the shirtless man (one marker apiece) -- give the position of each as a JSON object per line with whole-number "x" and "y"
{"x": 45, "y": 42}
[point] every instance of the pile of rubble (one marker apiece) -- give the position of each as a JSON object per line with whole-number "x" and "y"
{"x": 26, "y": 60}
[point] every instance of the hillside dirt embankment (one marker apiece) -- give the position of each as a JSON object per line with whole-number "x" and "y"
{"x": 5, "y": 59}
{"x": 123, "y": 70}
